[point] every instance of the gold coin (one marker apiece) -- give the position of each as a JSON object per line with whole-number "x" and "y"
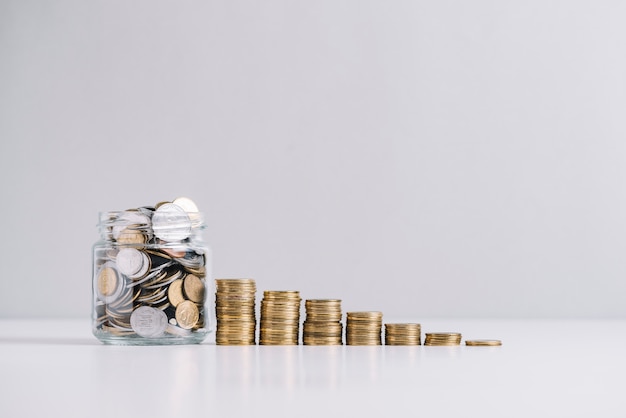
{"x": 402, "y": 342}
{"x": 282, "y": 295}
{"x": 194, "y": 288}
{"x": 107, "y": 281}
{"x": 187, "y": 314}
{"x": 443, "y": 334}
{"x": 176, "y": 253}
{"x": 483, "y": 343}
{"x": 403, "y": 326}
{"x": 130, "y": 236}
{"x": 175, "y": 292}
{"x": 443, "y": 338}
{"x": 159, "y": 204}
{"x": 231, "y": 287}
{"x": 186, "y": 204}
{"x": 368, "y": 314}
{"x": 323, "y": 302}
{"x": 236, "y": 281}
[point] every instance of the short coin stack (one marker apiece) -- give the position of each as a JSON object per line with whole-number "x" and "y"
{"x": 483, "y": 343}
{"x": 280, "y": 318}
{"x": 403, "y": 334}
{"x": 364, "y": 328}
{"x": 322, "y": 325}
{"x": 443, "y": 338}
{"x": 235, "y": 311}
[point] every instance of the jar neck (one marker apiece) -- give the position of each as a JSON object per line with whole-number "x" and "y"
{"x": 146, "y": 226}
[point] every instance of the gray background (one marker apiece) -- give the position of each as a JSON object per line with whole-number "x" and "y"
{"x": 426, "y": 159}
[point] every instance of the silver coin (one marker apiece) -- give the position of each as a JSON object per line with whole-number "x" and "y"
{"x": 171, "y": 223}
{"x": 148, "y": 322}
{"x": 132, "y": 262}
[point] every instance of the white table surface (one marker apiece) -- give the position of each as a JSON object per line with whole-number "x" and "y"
{"x": 545, "y": 368}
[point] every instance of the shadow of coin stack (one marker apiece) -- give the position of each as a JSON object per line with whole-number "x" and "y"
{"x": 364, "y": 328}
{"x": 403, "y": 334}
{"x": 322, "y": 325}
{"x": 280, "y": 318}
{"x": 443, "y": 338}
{"x": 235, "y": 311}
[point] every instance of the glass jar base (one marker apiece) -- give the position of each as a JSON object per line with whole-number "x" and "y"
{"x": 108, "y": 339}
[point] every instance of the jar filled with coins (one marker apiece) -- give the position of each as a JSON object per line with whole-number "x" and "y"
{"x": 150, "y": 275}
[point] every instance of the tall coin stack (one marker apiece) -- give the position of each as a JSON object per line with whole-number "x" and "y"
{"x": 280, "y": 318}
{"x": 235, "y": 311}
{"x": 364, "y": 328}
{"x": 443, "y": 338}
{"x": 403, "y": 334}
{"x": 322, "y": 325}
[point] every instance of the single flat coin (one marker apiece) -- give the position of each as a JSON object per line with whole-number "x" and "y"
{"x": 130, "y": 236}
{"x": 171, "y": 223}
{"x": 132, "y": 262}
{"x": 483, "y": 343}
{"x": 175, "y": 292}
{"x": 148, "y": 322}
{"x": 194, "y": 288}
{"x": 443, "y": 335}
{"x": 190, "y": 207}
{"x": 187, "y": 204}
{"x": 187, "y": 314}
{"x": 107, "y": 282}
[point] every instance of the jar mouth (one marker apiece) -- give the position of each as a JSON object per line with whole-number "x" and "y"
{"x": 144, "y": 225}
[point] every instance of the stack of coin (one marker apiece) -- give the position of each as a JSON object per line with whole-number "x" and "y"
{"x": 364, "y": 328}
{"x": 322, "y": 325}
{"x": 280, "y": 318}
{"x": 443, "y": 338}
{"x": 483, "y": 343}
{"x": 235, "y": 311}
{"x": 403, "y": 334}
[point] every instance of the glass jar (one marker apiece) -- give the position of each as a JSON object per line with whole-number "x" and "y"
{"x": 150, "y": 275}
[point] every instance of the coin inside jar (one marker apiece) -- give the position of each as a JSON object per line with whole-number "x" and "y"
{"x": 129, "y": 219}
{"x": 175, "y": 292}
{"x": 171, "y": 223}
{"x": 131, "y": 236}
{"x": 190, "y": 207}
{"x": 194, "y": 288}
{"x": 107, "y": 282}
{"x": 187, "y": 314}
{"x": 148, "y": 322}
{"x": 132, "y": 262}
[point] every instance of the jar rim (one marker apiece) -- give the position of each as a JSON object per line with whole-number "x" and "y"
{"x": 167, "y": 226}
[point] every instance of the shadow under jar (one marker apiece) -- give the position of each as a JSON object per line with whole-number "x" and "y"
{"x": 150, "y": 275}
